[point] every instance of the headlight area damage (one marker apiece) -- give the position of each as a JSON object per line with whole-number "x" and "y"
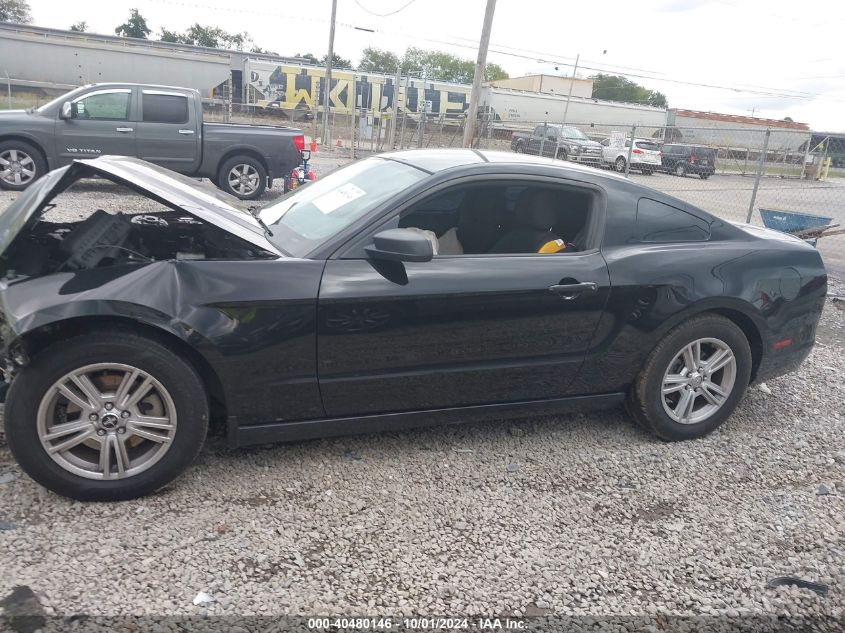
{"x": 45, "y": 263}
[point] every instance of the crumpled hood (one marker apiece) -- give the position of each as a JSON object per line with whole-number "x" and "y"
{"x": 162, "y": 185}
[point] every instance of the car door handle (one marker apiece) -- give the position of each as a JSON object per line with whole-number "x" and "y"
{"x": 124, "y": 129}
{"x": 186, "y": 131}
{"x": 570, "y": 291}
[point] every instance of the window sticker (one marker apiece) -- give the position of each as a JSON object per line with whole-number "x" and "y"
{"x": 339, "y": 197}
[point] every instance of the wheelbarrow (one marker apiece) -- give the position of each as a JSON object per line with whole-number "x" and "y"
{"x": 804, "y": 225}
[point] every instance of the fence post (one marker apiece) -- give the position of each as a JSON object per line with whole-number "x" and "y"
{"x": 630, "y": 149}
{"x": 543, "y": 140}
{"x": 760, "y": 164}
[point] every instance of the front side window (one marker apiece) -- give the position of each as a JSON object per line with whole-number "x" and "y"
{"x": 659, "y": 222}
{"x": 159, "y": 108}
{"x": 504, "y": 219}
{"x": 103, "y": 106}
{"x": 311, "y": 215}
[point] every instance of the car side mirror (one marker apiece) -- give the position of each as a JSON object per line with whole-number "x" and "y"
{"x": 67, "y": 110}
{"x": 400, "y": 245}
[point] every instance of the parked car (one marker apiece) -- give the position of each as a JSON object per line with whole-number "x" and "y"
{"x": 563, "y": 142}
{"x": 645, "y": 155}
{"x": 157, "y": 123}
{"x": 405, "y": 289}
{"x": 689, "y": 159}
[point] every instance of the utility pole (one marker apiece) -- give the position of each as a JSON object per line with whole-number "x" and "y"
{"x": 480, "y": 67}
{"x": 571, "y": 83}
{"x": 328, "y": 80}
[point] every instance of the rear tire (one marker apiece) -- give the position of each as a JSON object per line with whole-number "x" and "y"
{"x": 704, "y": 176}
{"x": 680, "y": 170}
{"x": 21, "y": 164}
{"x": 674, "y": 403}
{"x": 143, "y": 439}
{"x": 620, "y": 164}
{"x": 243, "y": 177}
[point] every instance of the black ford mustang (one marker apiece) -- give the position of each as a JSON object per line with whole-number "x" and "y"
{"x": 406, "y": 289}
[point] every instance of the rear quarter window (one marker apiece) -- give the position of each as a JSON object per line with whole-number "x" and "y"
{"x": 659, "y": 222}
{"x": 164, "y": 108}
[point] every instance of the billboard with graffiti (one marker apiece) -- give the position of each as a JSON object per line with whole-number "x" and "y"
{"x": 299, "y": 89}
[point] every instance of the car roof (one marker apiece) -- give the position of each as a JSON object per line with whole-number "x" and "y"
{"x": 437, "y": 160}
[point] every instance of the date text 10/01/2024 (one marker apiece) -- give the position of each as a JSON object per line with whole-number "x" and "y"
{"x": 415, "y": 623}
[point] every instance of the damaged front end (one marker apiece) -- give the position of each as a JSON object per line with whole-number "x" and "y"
{"x": 192, "y": 224}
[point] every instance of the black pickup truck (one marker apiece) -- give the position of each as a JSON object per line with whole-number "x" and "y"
{"x": 159, "y": 124}
{"x": 558, "y": 141}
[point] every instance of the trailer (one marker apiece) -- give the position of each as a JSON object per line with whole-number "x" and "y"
{"x": 522, "y": 110}
{"x": 53, "y": 61}
{"x": 298, "y": 87}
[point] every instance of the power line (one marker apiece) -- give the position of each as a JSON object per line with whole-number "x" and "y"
{"x": 384, "y": 15}
{"x": 552, "y": 59}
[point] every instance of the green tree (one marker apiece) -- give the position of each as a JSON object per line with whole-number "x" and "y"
{"x": 337, "y": 61}
{"x": 79, "y": 27}
{"x": 443, "y": 66}
{"x": 135, "y": 26}
{"x": 375, "y": 60}
{"x": 169, "y": 36}
{"x": 618, "y": 88}
{"x": 308, "y": 58}
{"x": 15, "y": 11}
{"x": 257, "y": 49}
{"x": 208, "y": 36}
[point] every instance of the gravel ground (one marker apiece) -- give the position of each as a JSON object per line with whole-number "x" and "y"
{"x": 569, "y": 515}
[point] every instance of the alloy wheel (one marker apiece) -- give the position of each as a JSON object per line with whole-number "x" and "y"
{"x": 243, "y": 179}
{"x": 106, "y": 421}
{"x": 698, "y": 381}
{"x": 16, "y": 167}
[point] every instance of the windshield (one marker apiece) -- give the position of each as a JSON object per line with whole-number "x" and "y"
{"x": 303, "y": 219}
{"x": 574, "y": 133}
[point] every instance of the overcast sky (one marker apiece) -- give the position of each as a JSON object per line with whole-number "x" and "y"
{"x": 779, "y": 58}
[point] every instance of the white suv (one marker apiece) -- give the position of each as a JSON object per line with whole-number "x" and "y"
{"x": 645, "y": 156}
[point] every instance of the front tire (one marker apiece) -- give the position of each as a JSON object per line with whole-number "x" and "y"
{"x": 243, "y": 176}
{"x": 693, "y": 380}
{"x": 519, "y": 148}
{"x": 106, "y": 417}
{"x": 562, "y": 155}
{"x": 21, "y": 164}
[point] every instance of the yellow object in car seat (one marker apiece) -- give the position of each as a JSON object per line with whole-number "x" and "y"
{"x": 553, "y": 246}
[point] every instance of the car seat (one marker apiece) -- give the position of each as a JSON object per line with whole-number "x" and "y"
{"x": 535, "y": 215}
{"x": 480, "y": 220}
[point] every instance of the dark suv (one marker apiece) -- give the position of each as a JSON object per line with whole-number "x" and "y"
{"x": 689, "y": 159}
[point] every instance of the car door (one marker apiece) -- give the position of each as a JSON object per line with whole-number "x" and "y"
{"x": 456, "y": 330}
{"x": 550, "y": 146}
{"x": 101, "y": 123}
{"x": 167, "y": 132}
{"x": 536, "y": 139}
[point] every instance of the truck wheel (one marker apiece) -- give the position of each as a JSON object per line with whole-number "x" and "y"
{"x": 106, "y": 416}
{"x": 693, "y": 380}
{"x": 243, "y": 176}
{"x": 620, "y": 164}
{"x": 519, "y": 148}
{"x": 20, "y": 165}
